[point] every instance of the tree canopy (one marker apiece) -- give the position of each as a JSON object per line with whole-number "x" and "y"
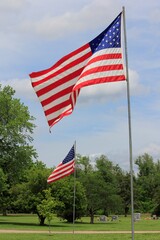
{"x": 16, "y": 151}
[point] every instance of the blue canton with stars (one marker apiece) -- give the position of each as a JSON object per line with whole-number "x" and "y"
{"x": 70, "y": 156}
{"x": 109, "y": 38}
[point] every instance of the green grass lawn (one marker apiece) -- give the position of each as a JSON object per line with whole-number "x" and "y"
{"x": 30, "y": 222}
{"x": 79, "y": 236}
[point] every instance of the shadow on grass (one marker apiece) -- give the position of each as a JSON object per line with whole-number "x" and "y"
{"x": 97, "y": 223}
{"x": 31, "y": 224}
{"x": 18, "y": 223}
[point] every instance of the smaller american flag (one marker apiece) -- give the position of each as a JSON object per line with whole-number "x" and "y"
{"x": 65, "y": 168}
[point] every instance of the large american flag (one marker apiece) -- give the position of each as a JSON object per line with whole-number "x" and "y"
{"x": 98, "y": 61}
{"x": 65, "y": 168}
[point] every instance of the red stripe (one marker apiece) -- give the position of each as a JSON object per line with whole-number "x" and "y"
{"x": 105, "y": 57}
{"x": 100, "y": 80}
{"x": 102, "y": 69}
{"x": 62, "y": 170}
{"x": 58, "y": 107}
{"x": 56, "y": 96}
{"x": 57, "y": 119}
{"x": 65, "y": 175}
{"x": 75, "y": 95}
{"x": 59, "y": 173}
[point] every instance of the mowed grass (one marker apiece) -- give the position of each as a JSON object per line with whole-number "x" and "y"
{"x": 42, "y": 236}
{"x": 30, "y": 222}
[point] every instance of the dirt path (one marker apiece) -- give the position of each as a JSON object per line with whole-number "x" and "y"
{"x": 75, "y": 232}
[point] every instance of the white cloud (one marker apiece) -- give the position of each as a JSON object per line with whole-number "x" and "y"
{"x": 155, "y": 16}
{"x": 12, "y": 5}
{"x": 22, "y": 87}
{"x": 136, "y": 86}
{"x": 152, "y": 149}
{"x": 49, "y": 24}
{"x": 90, "y": 16}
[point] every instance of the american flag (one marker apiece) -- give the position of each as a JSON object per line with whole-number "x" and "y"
{"x": 65, "y": 168}
{"x": 98, "y": 61}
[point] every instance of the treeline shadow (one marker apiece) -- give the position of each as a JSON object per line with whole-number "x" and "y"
{"x": 30, "y": 224}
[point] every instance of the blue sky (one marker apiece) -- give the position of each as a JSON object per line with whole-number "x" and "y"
{"x": 35, "y": 34}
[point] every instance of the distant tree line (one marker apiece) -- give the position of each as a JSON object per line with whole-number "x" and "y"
{"x": 102, "y": 188}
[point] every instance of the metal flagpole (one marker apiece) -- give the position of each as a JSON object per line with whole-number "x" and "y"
{"x": 74, "y": 191}
{"x": 129, "y": 124}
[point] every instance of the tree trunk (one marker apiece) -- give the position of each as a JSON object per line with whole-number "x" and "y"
{"x": 126, "y": 209}
{"x": 41, "y": 220}
{"x": 91, "y": 216}
{"x": 4, "y": 211}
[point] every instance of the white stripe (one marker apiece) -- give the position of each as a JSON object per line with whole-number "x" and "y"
{"x": 59, "y": 112}
{"x": 62, "y": 65}
{"x": 61, "y": 100}
{"x": 108, "y": 51}
{"x": 59, "y": 117}
{"x": 57, "y": 101}
{"x": 62, "y": 167}
{"x": 60, "y": 176}
{"x": 100, "y": 75}
{"x": 57, "y": 89}
{"x": 104, "y": 62}
{"x": 74, "y": 99}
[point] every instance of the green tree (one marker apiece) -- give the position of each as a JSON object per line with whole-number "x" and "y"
{"x": 156, "y": 197}
{"x": 16, "y": 128}
{"x": 63, "y": 190}
{"x": 48, "y": 205}
{"x": 146, "y": 182}
{"x": 124, "y": 189}
{"x": 86, "y": 175}
{"x": 100, "y": 185}
{"x": 110, "y": 199}
{"x": 29, "y": 194}
{"x": 3, "y": 187}
{"x": 94, "y": 186}
{"x": 83, "y": 165}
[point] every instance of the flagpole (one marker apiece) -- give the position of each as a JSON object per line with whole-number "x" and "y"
{"x": 74, "y": 191}
{"x": 129, "y": 124}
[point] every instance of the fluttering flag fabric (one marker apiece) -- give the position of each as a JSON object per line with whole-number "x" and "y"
{"x": 98, "y": 61}
{"x": 65, "y": 168}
